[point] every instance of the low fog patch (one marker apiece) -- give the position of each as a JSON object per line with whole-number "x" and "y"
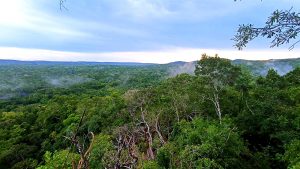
{"x": 6, "y": 96}
{"x": 188, "y": 67}
{"x": 280, "y": 68}
{"x": 66, "y": 81}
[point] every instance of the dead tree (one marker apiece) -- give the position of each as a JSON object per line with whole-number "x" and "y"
{"x": 126, "y": 141}
{"x": 83, "y": 163}
{"x": 157, "y": 129}
{"x": 147, "y": 134}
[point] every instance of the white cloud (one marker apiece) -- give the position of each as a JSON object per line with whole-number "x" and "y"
{"x": 12, "y": 12}
{"x": 142, "y": 9}
{"x": 107, "y": 24}
{"x": 27, "y": 17}
{"x": 177, "y": 10}
{"x": 191, "y": 10}
{"x": 21, "y": 15}
{"x": 162, "y": 56}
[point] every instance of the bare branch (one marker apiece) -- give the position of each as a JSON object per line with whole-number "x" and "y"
{"x": 161, "y": 138}
{"x": 62, "y": 5}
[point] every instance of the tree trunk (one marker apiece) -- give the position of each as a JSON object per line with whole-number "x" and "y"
{"x": 216, "y": 102}
{"x": 158, "y": 132}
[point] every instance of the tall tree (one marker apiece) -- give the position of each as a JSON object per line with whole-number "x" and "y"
{"x": 216, "y": 74}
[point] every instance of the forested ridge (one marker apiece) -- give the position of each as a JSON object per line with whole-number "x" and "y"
{"x": 223, "y": 115}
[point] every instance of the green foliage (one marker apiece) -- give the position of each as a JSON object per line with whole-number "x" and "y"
{"x": 215, "y": 75}
{"x": 203, "y": 143}
{"x": 217, "y": 71}
{"x": 292, "y": 154}
{"x": 150, "y": 165}
{"x": 102, "y": 148}
{"x": 293, "y": 77}
{"x": 164, "y": 157}
{"x": 59, "y": 159}
{"x": 260, "y": 117}
{"x": 282, "y": 27}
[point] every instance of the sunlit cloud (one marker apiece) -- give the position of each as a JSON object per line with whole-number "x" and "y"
{"x": 20, "y": 15}
{"x": 12, "y": 13}
{"x": 162, "y": 56}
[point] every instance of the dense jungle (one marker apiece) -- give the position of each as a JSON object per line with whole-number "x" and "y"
{"x": 211, "y": 113}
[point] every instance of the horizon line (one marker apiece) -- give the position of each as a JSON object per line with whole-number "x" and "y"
{"x": 162, "y": 56}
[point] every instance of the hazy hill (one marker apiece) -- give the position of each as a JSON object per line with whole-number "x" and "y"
{"x": 47, "y": 63}
{"x": 258, "y": 67}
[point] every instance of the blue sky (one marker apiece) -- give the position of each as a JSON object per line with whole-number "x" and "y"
{"x": 133, "y": 30}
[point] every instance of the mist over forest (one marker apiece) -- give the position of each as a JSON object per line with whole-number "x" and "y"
{"x": 17, "y": 77}
{"x": 210, "y": 113}
{"x": 149, "y": 84}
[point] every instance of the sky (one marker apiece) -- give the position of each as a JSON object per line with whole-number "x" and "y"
{"x": 152, "y": 31}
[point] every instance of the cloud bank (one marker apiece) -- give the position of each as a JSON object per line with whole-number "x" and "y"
{"x": 161, "y": 56}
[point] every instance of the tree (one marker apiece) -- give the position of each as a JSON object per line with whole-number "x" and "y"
{"x": 282, "y": 27}
{"x": 59, "y": 159}
{"x": 203, "y": 143}
{"x": 102, "y": 151}
{"x": 292, "y": 154}
{"x": 215, "y": 75}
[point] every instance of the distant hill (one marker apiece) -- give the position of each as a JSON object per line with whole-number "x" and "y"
{"x": 18, "y": 62}
{"x": 258, "y": 67}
